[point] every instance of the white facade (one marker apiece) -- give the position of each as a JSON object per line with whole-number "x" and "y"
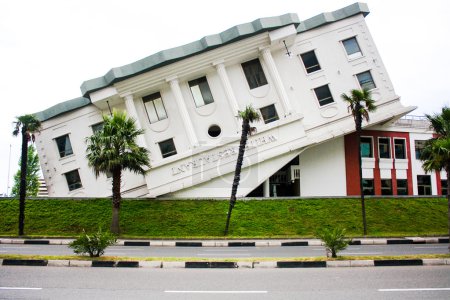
{"x": 203, "y": 165}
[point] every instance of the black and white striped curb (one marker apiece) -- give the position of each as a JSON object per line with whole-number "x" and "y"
{"x": 219, "y": 243}
{"x": 225, "y": 264}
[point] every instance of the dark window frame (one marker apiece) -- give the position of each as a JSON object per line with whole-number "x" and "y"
{"x": 62, "y": 145}
{"x": 205, "y": 91}
{"x": 419, "y": 145}
{"x": 364, "y": 82}
{"x": 324, "y": 91}
{"x": 368, "y": 186}
{"x": 397, "y": 152}
{"x": 424, "y": 188}
{"x": 268, "y": 115}
{"x": 254, "y": 73}
{"x": 386, "y": 187}
{"x": 371, "y": 153}
{"x": 310, "y": 62}
{"x": 150, "y": 100}
{"x": 163, "y": 145}
{"x": 402, "y": 187}
{"x": 388, "y": 148}
{"x": 76, "y": 184}
{"x": 350, "y": 48}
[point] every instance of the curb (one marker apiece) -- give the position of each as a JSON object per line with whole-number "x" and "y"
{"x": 225, "y": 264}
{"x": 259, "y": 243}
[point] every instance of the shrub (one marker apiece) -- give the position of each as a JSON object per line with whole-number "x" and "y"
{"x": 94, "y": 244}
{"x": 334, "y": 240}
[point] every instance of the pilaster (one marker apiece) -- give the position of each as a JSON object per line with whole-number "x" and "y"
{"x": 132, "y": 112}
{"x": 175, "y": 87}
{"x": 273, "y": 71}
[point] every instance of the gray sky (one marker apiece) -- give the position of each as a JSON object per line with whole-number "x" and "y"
{"x": 48, "y": 48}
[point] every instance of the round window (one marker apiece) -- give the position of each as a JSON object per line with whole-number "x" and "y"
{"x": 214, "y": 131}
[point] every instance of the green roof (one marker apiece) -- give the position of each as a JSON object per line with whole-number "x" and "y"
{"x": 207, "y": 43}
{"x": 61, "y": 108}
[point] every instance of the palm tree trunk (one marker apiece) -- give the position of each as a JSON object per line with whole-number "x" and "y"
{"x": 23, "y": 181}
{"x": 116, "y": 199}
{"x": 448, "y": 200}
{"x": 237, "y": 171}
{"x": 363, "y": 203}
{"x": 358, "y": 125}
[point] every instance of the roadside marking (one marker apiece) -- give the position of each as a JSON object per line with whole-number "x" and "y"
{"x": 432, "y": 247}
{"x": 362, "y": 253}
{"x": 217, "y": 292}
{"x": 414, "y": 290}
{"x": 223, "y": 254}
{"x": 18, "y": 288}
{"x": 228, "y": 250}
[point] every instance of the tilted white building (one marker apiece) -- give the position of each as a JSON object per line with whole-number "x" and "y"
{"x": 187, "y": 99}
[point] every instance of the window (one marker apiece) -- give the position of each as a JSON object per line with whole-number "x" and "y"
{"x": 254, "y": 73}
{"x": 368, "y": 187}
{"x": 386, "y": 186}
{"x": 419, "y": 145}
{"x": 64, "y": 146}
{"x": 444, "y": 187}
{"x": 400, "y": 149}
{"x": 269, "y": 114}
{"x": 214, "y": 131}
{"x": 201, "y": 92}
{"x": 384, "y": 147}
{"x": 366, "y": 147}
{"x": 365, "y": 80}
{"x": 167, "y": 148}
{"x": 97, "y": 127}
{"x": 352, "y": 48}
{"x": 424, "y": 184}
{"x": 310, "y": 62}
{"x": 323, "y": 95}
{"x": 73, "y": 180}
{"x": 154, "y": 107}
{"x": 402, "y": 187}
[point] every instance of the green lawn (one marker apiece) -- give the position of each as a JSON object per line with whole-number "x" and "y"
{"x": 206, "y": 218}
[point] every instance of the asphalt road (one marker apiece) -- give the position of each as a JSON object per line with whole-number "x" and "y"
{"x": 331, "y": 283}
{"x": 227, "y": 252}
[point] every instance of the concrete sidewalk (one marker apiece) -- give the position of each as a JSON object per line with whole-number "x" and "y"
{"x": 237, "y": 243}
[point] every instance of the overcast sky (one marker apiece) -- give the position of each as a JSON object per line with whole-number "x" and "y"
{"x": 48, "y": 48}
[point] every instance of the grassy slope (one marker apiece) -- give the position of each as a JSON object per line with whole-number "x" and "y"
{"x": 250, "y": 219}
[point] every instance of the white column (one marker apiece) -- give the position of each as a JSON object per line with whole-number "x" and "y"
{"x": 273, "y": 71}
{"x": 132, "y": 112}
{"x": 266, "y": 188}
{"x": 175, "y": 87}
{"x": 220, "y": 67}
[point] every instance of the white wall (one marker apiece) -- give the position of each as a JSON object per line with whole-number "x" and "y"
{"x": 322, "y": 170}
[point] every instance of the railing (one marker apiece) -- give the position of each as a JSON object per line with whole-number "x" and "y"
{"x": 294, "y": 172}
{"x": 412, "y": 121}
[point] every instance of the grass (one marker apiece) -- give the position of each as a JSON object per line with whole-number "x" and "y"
{"x": 191, "y": 219}
{"x": 229, "y": 259}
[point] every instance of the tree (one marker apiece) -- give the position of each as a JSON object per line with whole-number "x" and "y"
{"x": 25, "y": 125}
{"x": 360, "y": 103}
{"x": 334, "y": 240}
{"x": 114, "y": 149}
{"x": 436, "y": 153}
{"x": 32, "y": 179}
{"x": 248, "y": 116}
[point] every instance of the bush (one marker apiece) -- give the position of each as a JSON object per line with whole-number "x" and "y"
{"x": 334, "y": 240}
{"x": 94, "y": 244}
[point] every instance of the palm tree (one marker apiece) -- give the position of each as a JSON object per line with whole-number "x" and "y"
{"x": 26, "y": 125}
{"x": 248, "y": 116}
{"x": 360, "y": 103}
{"x": 113, "y": 149}
{"x": 436, "y": 153}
